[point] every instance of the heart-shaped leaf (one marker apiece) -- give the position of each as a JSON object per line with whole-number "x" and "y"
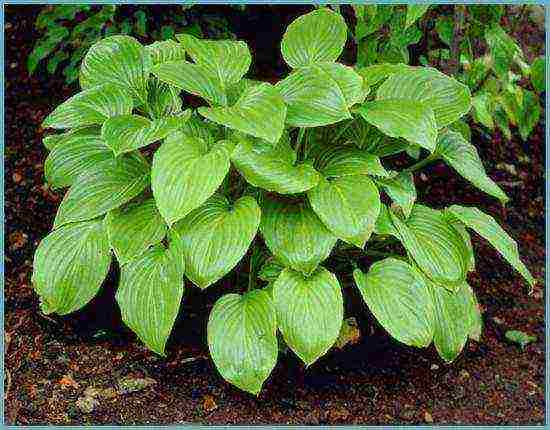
{"x": 227, "y": 60}
{"x": 90, "y": 107}
{"x": 102, "y": 188}
{"x": 295, "y": 235}
{"x": 413, "y": 121}
{"x": 149, "y": 295}
{"x": 268, "y": 166}
{"x": 348, "y": 206}
{"x": 309, "y": 311}
{"x": 126, "y": 133}
{"x": 215, "y": 236}
{"x": 134, "y": 228}
{"x": 119, "y": 60}
{"x": 448, "y": 98}
{"x": 435, "y": 245}
{"x": 192, "y": 78}
{"x": 260, "y": 111}
{"x": 487, "y": 227}
{"x": 242, "y": 338}
{"x": 74, "y": 156}
{"x": 463, "y": 157}
{"x": 341, "y": 161}
{"x": 70, "y": 265}
{"x": 399, "y": 299}
{"x": 316, "y": 37}
{"x": 185, "y": 173}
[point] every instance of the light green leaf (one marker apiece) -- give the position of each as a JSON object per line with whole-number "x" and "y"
{"x": 149, "y": 295}
{"x": 378, "y": 72}
{"x": 242, "y": 338}
{"x": 481, "y": 104}
{"x": 192, "y": 78}
{"x": 227, "y": 60}
{"x": 463, "y": 157}
{"x": 309, "y": 311}
{"x": 315, "y": 99}
{"x": 519, "y": 337}
{"x": 185, "y": 173}
{"x": 53, "y": 140}
{"x": 413, "y": 121}
{"x": 487, "y": 227}
{"x": 415, "y": 12}
{"x": 74, "y": 156}
{"x": 316, "y": 37}
{"x": 268, "y": 166}
{"x": 294, "y": 234}
{"x": 119, "y": 60}
{"x": 90, "y": 107}
{"x": 125, "y": 133}
{"x": 260, "y": 111}
{"x": 102, "y": 188}
{"x": 401, "y": 190}
{"x": 453, "y": 319}
{"x": 70, "y": 265}
{"x": 166, "y": 50}
{"x": 503, "y": 50}
{"x": 347, "y": 79}
{"x": 384, "y": 224}
{"x": 474, "y": 314}
{"x": 345, "y": 161}
{"x": 133, "y": 228}
{"x": 163, "y": 100}
{"x": 216, "y": 236}
{"x": 448, "y": 98}
{"x": 348, "y": 206}
{"x": 538, "y": 75}
{"x": 399, "y": 299}
{"x": 434, "y": 244}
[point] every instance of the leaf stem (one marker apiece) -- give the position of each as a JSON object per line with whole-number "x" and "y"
{"x": 299, "y": 141}
{"x": 343, "y": 130}
{"x": 421, "y": 163}
{"x": 379, "y": 253}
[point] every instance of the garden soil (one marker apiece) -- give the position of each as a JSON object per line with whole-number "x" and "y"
{"x": 87, "y": 368}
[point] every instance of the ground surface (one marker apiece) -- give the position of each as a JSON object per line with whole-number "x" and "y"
{"x": 58, "y": 367}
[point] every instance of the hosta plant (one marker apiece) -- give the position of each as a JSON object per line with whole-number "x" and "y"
{"x": 293, "y": 178}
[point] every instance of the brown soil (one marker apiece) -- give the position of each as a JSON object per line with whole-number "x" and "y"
{"x": 51, "y": 362}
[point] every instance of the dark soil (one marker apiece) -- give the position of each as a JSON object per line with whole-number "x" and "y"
{"x": 51, "y": 362}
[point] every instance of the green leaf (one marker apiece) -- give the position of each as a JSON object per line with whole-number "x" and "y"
{"x": 185, "y": 173}
{"x": 227, "y": 60}
{"x": 413, "y": 121}
{"x": 163, "y": 100}
{"x": 481, "y": 104}
{"x": 348, "y": 206}
{"x": 345, "y": 161}
{"x": 415, "y": 12}
{"x": 463, "y": 157}
{"x": 453, "y": 319}
{"x": 149, "y": 295}
{"x": 503, "y": 50}
{"x": 487, "y": 227}
{"x": 434, "y": 244}
{"x": 167, "y": 50}
{"x": 444, "y": 28}
{"x": 519, "y": 337}
{"x": 448, "y": 98}
{"x": 295, "y": 235}
{"x": 73, "y": 157}
{"x": 378, "y": 72}
{"x": 53, "y": 140}
{"x": 125, "y": 133}
{"x": 242, "y": 338}
{"x": 316, "y": 37}
{"x": 474, "y": 314}
{"x": 401, "y": 190}
{"x": 320, "y": 94}
{"x": 270, "y": 270}
{"x": 538, "y": 75}
{"x": 269, "y": 166}
{"x": 119, "y": 60}
{"x": 192, "y": 78}
{"x": 70, "y": 265}
{"x": 45, "y": 46}
{"x": 216, "y": 236}
{"x": 102, "y": 188}
{"x": 399, "y": 299}
{"x": 259, "y": 111}
{"x": 531, "y": 112}
{"x": 384, "y": 224}
{"x": 309, "y": 311}
{"x": 90, "y": 107}
{"x": 133, "y": 228}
